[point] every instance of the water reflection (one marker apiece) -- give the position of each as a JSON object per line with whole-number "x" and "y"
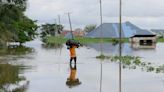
{"x": 107, "y": 47}
{"x": 52, "y": 46}
{"x": 11, "y": 80}
{"x": 72, "y": 80}
{"x": 127, "y": 48}
{"x": 143, "y": 46}
{"x": 18, "y": 50}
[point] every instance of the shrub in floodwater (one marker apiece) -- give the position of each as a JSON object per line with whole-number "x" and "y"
{"x": 137, "y": 61}
{"x": 160, "y": 69}
{"x": 132, "y": 62}
{"x": 102, "y": 57}
{"x": 150, "y": 68}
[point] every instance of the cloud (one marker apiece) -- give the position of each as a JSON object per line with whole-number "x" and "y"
{"x": 145, "y": 13}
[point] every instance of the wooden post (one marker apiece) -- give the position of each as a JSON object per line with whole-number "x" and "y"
{"x": 120, "y": 45}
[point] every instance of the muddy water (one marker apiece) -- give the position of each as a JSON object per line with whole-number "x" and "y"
{"x": 47, "y": 69}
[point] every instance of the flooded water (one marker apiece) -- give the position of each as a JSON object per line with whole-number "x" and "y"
{"x": 45, "y": 69}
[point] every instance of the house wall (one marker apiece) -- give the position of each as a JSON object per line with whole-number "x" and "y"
{"x": 138, "y": 39}
{"x": 138, "y": 46}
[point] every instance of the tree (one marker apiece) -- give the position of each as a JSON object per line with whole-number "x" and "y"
{"x": 89, "y": 28}
{"x": 21, "y": 4}
{"x": 25, "y": 30}
{"x": 14, "y": 25}
{"x": 51, "y": 30}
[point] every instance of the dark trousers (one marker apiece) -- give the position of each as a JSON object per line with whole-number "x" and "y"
{"x": 73, "y": 58}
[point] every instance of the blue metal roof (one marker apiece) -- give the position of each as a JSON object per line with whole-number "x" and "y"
{"x": 111, "y": 30}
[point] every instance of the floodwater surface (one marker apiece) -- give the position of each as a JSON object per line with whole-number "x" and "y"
{"x": 45, "y": 69}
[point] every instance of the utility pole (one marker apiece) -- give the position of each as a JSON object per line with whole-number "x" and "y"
{"x": 70, "y": 24}
{"x": 55, "y": 27}
{"x": 59, "y": 19}
{"x": 101, "y": 26}
{"x": 59, "y": 23}
{"x": 120, "y": 45}
{"x": 101, "y": 44}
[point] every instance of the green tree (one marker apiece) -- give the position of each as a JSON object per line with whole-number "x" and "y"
{"x": 25, "y": 30}
{"x": 21, "y": 4}
{"x": 89, "y": 28}
{"x": 51, "y": 30}
{"x": 14, "y": 25}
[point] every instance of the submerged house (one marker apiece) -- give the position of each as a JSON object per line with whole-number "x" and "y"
{"x": 143, "y": 39}
{"x": 129, "y": 30}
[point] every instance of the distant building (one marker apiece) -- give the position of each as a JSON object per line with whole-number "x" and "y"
{"x": 76, "y": 33}
{"x": 64, "y": 32}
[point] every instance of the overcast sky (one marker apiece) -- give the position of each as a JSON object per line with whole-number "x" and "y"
{"x": 147, "y": 14}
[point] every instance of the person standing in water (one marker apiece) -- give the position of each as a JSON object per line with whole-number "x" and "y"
{"x": 72, "y": 45}
{"x": 73, "y": 53}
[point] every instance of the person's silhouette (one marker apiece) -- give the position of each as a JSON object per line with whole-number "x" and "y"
{"x": 72, "y": 81}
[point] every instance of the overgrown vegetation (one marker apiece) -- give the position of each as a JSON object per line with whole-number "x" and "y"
{"x": 51, "y": 35}
{"x": 62, "y": 40}
{"x": 14, "y": 25}
{"x": 53, "y": 42}
{"x": 132, "y": 62}
{"x": 160, "y": 40}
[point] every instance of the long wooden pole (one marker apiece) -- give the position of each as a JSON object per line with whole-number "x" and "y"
{"x": 59, "y": 24}
{"x": 120, "y": 47}
{"x": 101, "y": 20}
{"x": 101, "y": 44}
{"x": 70, "y": 25}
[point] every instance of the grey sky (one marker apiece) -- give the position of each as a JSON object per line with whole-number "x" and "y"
{"x": 146, "y": 14}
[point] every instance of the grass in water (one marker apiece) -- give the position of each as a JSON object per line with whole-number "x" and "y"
{"x": 160, "y": 40}
{"x": 132, "y": 62}
{"x": 61, "y": 40}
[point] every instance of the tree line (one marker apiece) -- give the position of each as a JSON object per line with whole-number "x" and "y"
{"x": 56, "y": 29}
